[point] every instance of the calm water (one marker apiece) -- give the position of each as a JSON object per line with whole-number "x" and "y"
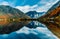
{"x": 39, "y": 31}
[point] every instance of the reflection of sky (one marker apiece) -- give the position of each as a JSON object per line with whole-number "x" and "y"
{"x": 27, "y": 5}
{"x": 41, "y": 32}
{"x": 26, "y": 33}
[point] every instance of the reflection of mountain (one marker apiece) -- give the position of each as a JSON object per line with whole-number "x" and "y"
{"x": 34, "y": 14}
{"x": 52, "y": 19}
{"x": 15, "y": 26}
{"x": 35, "y": 24}
{"x": 7, "y": 14}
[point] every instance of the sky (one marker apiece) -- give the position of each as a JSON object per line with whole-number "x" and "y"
{"x": 29, "y": 5}
{"x": 25, "y": 6}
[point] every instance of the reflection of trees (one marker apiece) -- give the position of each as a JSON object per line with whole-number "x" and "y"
{"x": 52, "y": 20}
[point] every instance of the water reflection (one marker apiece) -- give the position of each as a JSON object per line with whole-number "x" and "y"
{"x": 34, "y": 24}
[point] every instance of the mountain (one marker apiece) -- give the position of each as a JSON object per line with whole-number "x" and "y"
{"x": 10, "y": 10}
{"x": 10, "y": 19}
{"x": 34, "y": 14}
{"x": 54, "y": 6}
{"x": 52, "y": 9}
{"x": 52, "y": 19}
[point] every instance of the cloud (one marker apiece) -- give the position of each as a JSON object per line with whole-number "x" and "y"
{"x": 26, "y": 8}
{"x": 42, "y": 8}
{"x": 4, "y": 3}
{"x": 8, "y": 3}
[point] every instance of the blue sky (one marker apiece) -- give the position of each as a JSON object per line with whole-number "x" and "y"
{"x": 30, "y": 5}
{"x": 25, "y": 6}
{"x": 22, "y": 2}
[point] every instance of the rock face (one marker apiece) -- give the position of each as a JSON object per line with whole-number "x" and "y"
{"x": 52, "y": 19}
{"x": 10, "y": 19}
